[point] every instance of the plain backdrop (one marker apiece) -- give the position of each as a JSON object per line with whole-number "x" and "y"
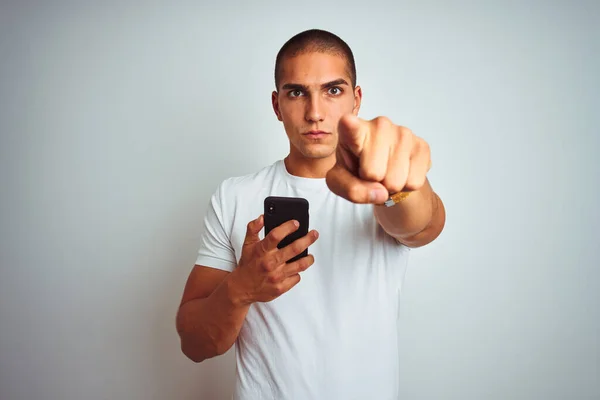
{"x": 118, "y": 120}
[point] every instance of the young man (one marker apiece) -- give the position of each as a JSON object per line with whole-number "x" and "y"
{"x": 332, "y": 335}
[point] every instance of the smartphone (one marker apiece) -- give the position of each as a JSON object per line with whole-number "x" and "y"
{"x": 281, "y": 209}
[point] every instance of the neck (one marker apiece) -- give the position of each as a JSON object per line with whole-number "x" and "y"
{"x": 308, "y": 167}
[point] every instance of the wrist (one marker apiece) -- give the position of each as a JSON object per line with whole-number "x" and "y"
{"x": 236, "y": 293}
{"x": 408, "y": 216}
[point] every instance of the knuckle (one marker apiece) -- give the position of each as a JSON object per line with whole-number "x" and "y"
{"x": 382, "y": 122}
{"x": 355, "y": 192}
{"x": 421, "y": 146}
{"x": 394, "y": 182}
{"x": 272, "y": 278}
{"x": 279, "y": 289}
{"x": 414, "y": 183}
{"x": 276, "y": 235}
{"x": 272, "y": 263}
{"x": 296, "y": 280}
{"x": 405, "y": 137}
{"x": 307, "y": 241}
{"x": 266, "y": 265}
{"x": 272, "y": 236}
{"x": 406, "y": 131}
{"x": 393, "y": 187}
{"x": 424, "y": 147}
{"x": 372, "y": 174}
{"x": 297, "y": 247}
{"x": 306, "y": 262}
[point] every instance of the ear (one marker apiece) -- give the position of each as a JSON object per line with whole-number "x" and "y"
{"x": 357, "y": 100}
{"x": 275, "y": 102}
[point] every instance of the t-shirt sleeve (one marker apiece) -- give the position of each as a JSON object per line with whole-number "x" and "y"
{"x": 216, "y": 250}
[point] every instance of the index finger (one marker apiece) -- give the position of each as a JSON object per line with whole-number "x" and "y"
{"x": 352, "y": 133}
{"x": 341, "y": 182}
{"x": 279, "y": 233}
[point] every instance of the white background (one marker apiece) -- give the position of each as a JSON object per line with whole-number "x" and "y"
{"x": 118, "y": 121}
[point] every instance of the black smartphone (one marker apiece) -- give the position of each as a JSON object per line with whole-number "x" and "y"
{"x": 281, "y": 209}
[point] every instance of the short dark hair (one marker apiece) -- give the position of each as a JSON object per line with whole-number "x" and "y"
{"x": 316, "y": 40}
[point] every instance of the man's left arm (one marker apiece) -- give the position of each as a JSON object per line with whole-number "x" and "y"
{"x": 415, "y": 221}
{"x": 377, "y": 159}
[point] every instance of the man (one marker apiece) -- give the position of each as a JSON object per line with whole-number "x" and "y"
{"x": 332, "y": 335}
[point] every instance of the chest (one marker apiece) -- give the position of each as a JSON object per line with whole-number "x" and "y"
{"x": 351, "y": 248}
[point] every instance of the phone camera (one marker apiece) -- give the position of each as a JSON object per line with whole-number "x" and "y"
{"x": 271, "y": 208}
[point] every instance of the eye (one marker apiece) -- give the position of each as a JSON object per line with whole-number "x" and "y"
{"x": 335, "y": 91}
{"x": 295, "y": 93}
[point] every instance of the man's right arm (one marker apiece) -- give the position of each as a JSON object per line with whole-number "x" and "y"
{"x": 215, "y": 302}
{"x": 211, "y": 313}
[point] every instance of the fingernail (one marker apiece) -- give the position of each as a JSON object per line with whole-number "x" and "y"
{"x": 377, "y": 196}
{"x": 296, "y": 224}
{"x": 316, "y": 234}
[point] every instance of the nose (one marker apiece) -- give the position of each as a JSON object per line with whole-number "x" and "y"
{"x": 315, "y": 112}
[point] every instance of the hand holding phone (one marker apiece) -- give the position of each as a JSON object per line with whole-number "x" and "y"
{"x": 271, "y": 266}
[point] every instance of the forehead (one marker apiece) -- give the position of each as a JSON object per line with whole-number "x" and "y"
{"x": 313, "y": 68}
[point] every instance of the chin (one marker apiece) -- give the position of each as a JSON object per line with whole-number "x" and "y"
{"x": 314, "y": 149}
{"x": 317, "y": 152}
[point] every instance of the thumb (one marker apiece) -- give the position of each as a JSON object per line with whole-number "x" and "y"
{"x": 352, "y": 133}
{"x": 253, "y": 229}
{"x": 341, "y": 182}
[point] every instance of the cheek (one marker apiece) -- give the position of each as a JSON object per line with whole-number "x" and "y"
{"x": 344, "y": 106}
{"x": 290, "y": 113}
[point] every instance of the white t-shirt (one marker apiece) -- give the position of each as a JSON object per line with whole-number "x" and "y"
{"x": 335, "y": 334}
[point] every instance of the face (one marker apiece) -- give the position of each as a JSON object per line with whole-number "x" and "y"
{"x": 315, "y": 91}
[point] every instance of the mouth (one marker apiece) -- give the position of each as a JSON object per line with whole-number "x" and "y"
{"x": 316, "y": 134}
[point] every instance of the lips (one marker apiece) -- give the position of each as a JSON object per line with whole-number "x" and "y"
{"x": 316, "y": 134}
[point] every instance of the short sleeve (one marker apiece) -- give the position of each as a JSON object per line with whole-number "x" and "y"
{"x": 216, "y": 250}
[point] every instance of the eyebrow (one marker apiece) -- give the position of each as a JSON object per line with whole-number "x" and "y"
{"x": 294, "y": 86}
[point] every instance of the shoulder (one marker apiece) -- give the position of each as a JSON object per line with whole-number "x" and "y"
{"x": 229, "y": 190}
{"x": 236, "y": 184}
{"x": 239, "y": 200}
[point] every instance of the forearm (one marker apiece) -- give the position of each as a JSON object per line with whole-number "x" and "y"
{"x": 208, "y": 327}
{"x": 417, "y": 220}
